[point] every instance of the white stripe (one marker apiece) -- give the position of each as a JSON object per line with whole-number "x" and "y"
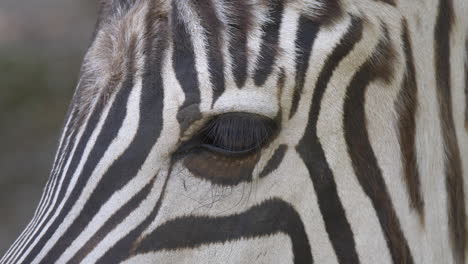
{"x": 199, "y": 42}
{"x": 118, "y": 146}
{"x": 358, "y": 208}
{"x": 276, "y": 248}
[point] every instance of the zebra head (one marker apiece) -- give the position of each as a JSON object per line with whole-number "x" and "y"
{"x": 261, "y": 131}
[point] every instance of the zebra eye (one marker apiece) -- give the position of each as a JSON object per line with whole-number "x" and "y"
{"x": 236, "y": 133}
{"x": 226, "y": 149}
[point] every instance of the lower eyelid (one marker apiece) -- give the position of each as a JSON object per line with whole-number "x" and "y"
{"x": 221, "y": 170}
{"x": 221, "y": 151}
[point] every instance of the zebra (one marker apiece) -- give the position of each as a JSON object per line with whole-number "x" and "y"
{"x": 263, "y": 131}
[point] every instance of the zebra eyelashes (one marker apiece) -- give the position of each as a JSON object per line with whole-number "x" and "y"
{"x": 237, "y": 133}
{"x": 226, "y": 150}
{"x": 231, "y": 135}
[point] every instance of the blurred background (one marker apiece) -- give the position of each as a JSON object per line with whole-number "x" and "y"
{"x": 42, "y": 44}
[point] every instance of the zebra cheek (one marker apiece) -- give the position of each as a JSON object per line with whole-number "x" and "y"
{"x": 221, "y": 170}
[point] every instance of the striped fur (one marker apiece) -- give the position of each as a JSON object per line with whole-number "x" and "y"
{"x": 367, "y": 160}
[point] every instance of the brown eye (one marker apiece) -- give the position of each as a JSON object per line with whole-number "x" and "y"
{"x": 236, "y": 133}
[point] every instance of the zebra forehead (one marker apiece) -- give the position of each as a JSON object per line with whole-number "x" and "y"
{"x": 314, "y": 9}
{"x": 125, "y": 25}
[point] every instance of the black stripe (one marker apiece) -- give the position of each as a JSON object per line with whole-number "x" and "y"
{"x": 311, "y": 152}
{"x": 125, "y": 248}
{"x": 111, "y": 223}
{"x": 240, "y": 19}
{"x": 270, "y": 217}
{"x": 364, "y": 162}
{"x": 453, "y": 169}
{"x": 213, "y": 29}
{"x": 269, "y": 47}
{"x": 183, "y": 62}
{"x": 407, "y": 108}
{"x": 305, "y": 38}
{"x": 274, "y": 161}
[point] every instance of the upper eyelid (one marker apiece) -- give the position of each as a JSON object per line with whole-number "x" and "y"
{"x": 197, "y": 125}
{"x": 238, "y": 130}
